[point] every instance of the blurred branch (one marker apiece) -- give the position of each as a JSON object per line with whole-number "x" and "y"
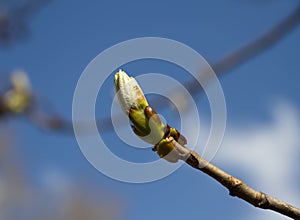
{"x": 53, "y": 122}
{"x": 234, "y": 59}
{"x": 13, "y": 22}
{"x": 241, "y": 190}
{"x": 253, "y": 48}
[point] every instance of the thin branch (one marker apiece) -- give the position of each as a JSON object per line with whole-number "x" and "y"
{"x": 253, "y": 48}
{"x": 262, "y": 43}
{"x": 235, "y": 186}
{"x": 241, "y": 190}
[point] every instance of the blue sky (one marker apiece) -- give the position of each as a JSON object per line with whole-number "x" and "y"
{"x": 261, "y": 96}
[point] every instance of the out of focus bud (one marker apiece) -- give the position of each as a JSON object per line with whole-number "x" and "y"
{"x": 19, "y": 97}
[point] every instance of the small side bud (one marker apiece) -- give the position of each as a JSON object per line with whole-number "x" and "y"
{"x": 172, "y": 151}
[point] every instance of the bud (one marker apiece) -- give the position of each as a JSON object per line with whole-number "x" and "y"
{"x": 171, "y": 150}
{"x": 146, "y": 124}
{"x": 129, "y": 93}
{"x": 19, "y": 97}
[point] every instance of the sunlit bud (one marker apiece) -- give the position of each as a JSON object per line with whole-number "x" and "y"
{"x": 146, "y": 123}
{"x": 129, "y": 93}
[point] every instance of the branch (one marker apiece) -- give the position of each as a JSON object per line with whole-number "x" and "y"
{"x": 170, "y": 145}
{"x": 235, "y": 186}
{"x": 253, "y": 48}
{"x": 241, "y": 190}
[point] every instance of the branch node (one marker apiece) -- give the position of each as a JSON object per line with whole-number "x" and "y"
{"x": 193, "y": 161}
{"x": 262, "y": 200}
{"x": 235, "y": 183}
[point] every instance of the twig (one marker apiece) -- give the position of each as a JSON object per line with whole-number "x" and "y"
{"x": 252, "y": 49}
{"x": 235, "y": 186}
{"x": 240, "y": 189}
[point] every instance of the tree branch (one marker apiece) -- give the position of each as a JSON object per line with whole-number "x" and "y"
{"x": 241, "y": 190}
{"x": 251, "y": 49}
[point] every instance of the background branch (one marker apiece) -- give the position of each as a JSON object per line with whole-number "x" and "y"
{"x": 14, "y": 21}
{"x": 253, "y": 48}
{"x": 10, "y": 22}
{"x": 54, "y": 122}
